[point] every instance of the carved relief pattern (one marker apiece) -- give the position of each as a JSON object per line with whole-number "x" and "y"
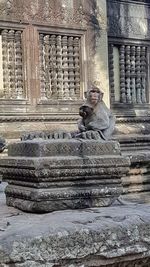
{"x": 77, "y": 68}
{"x": 71, "y": 67}
{"x": 52, "y": 62}
{"x": 127, "y": 66}
{"x": 133, "y": 73}
{"x": 12, "y": 64}
{"x": 143, "y": 73}
{"x": 65, "y": 67}
{"x": 46, "y": 59}
{"x": 5, "y": 63}
{"x": 111, "y": 73}
{"x": 60, "y": 67}
{"x": 18, "y": 66}
{"x": 138, "y": 75}
{"x": 133, "y": 89}
{"x": 123, "y": 23}
{"x": 122, "y": 74}
{"x": 53, "y": 12}
{"x": 42, "y": 73}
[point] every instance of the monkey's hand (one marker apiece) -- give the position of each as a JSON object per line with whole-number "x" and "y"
{"x": 81, "y": 126}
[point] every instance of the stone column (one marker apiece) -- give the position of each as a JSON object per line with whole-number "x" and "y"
{"x": 100, "y": 60}
{"x": 1, "y": 70}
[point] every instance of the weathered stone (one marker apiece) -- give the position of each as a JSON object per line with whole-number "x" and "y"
{"x": 41, "y": 103}
{"x": 136, "y": 184}
{"x": 36, "y": 148}
{"x": 113, "y": 237}
{"x": 58, "y": 174}
{"x": 62, "y": 147}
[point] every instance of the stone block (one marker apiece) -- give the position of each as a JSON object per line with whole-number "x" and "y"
{"x": 99, "y": 237}
{"x": 45, "y": 148}
{"x": 45, "y": 176}
{"x": 100, "y": 148}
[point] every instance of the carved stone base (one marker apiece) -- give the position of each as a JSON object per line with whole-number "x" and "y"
{"x": 51, "y": 175}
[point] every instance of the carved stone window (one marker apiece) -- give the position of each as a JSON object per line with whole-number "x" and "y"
{"x": 128, "y": 69}
{"x": 11, "y": 67}
{"x": 60, "y": 66}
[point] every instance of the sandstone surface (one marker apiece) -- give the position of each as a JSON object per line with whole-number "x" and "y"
{"x": 113, "y": 236}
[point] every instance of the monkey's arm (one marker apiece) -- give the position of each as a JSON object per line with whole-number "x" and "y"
{"x": 81, "y": 125}
{"x": 98, "y": 124}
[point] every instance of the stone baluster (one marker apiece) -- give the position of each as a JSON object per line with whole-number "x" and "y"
{"x": 47, "y": 68}
{"x": 138, "y": 75}
{"x": 111, "y": 73}
{"x": 18, "y": 66}
{"x": 127, "y": 61}
{"x": 5, "y": 63}
{"x": 132, "y": 62}
{"x": 11, "y": 65}
{"x": 143, "y": 73}
{"x": 65, "y": 67}
{"x": 53, "y": 67}
{"x": 71, "y": 68}
{"x": 122, "y": 74}
{"x": 76, "y": 46}
{"x": 42, "y": 68}
{"x": 59, "y": 67}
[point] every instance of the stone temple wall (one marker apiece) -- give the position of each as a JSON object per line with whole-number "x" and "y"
{"x": 50, "y": 52}
{"x": 129, "y": 46}
{"x": 129, "y": 34}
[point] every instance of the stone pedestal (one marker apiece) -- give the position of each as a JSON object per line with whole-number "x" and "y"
{"x": 45, "y": 176}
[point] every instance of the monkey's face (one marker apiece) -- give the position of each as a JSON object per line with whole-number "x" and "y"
{"x": 95, "y": 95}
{"x": 85, "y": 111}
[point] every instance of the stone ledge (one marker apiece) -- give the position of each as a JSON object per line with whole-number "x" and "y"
{"x": 62, "y": 147}
{"x": 109, "y": 236}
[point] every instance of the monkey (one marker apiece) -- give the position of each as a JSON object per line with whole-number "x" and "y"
{"x": 95, "y": 115}
{"x": 85, "y": 111}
